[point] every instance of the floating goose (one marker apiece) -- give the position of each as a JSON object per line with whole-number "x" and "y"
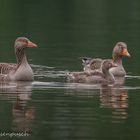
{"x": 102, "y": 76}
{"x": 119, "y": 51}
{"x": 22, "y": 70}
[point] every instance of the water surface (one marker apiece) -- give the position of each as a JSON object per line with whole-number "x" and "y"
{"x": 50, "y": 107}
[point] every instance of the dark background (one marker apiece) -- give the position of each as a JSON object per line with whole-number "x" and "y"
{"x": 65, "y": 30}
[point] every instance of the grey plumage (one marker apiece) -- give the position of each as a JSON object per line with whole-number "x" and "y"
{"x": 22, "y": 70}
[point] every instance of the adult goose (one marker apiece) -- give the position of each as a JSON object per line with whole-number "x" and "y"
{"x": 22, "y": 70}
{"x": 102, "y": 76}
{"x": 119, "y": 51}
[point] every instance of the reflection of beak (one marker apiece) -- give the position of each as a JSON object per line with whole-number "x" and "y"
{"x": 31, "y": 45}
{"x": 125, "y": 52}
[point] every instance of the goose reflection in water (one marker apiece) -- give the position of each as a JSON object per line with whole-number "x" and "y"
{"x": 18, "y": 93}
{"x": 117, "y": 99}
{"x": 113, "y": 97}
{"x": 110, "y": 96}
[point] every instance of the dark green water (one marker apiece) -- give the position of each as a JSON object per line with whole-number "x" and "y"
{"x": 50, "y": 108}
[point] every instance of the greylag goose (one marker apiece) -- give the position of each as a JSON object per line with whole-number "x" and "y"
{"x": 22, "y": 70}
{"x": 102, "y": 76}
{"x": 119, "y": 51}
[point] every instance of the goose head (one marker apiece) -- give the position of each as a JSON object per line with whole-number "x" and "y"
{"x": 23, "y": 42}
{"x": 120, "y": 50}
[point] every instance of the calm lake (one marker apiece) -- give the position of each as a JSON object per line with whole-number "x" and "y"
{"x": 50, "y": 108}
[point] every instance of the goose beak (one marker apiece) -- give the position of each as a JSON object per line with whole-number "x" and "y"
{"x": 31, "y": 45}
{"x": 125, "y": 52}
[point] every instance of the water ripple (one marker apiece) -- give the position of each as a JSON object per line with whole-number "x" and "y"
{"x": 132, "y": 76}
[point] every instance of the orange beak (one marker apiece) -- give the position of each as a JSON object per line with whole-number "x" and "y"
{"x": 125, "y": 52}
{"x": 31, "y": 45}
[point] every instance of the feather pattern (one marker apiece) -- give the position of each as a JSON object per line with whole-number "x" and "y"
{"x": 22, "y": 70}
{"x": 119, "y": 51}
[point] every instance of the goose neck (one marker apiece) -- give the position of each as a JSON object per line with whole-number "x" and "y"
{"x": 20, "y": 56}
{"x": 117, "y": 60}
